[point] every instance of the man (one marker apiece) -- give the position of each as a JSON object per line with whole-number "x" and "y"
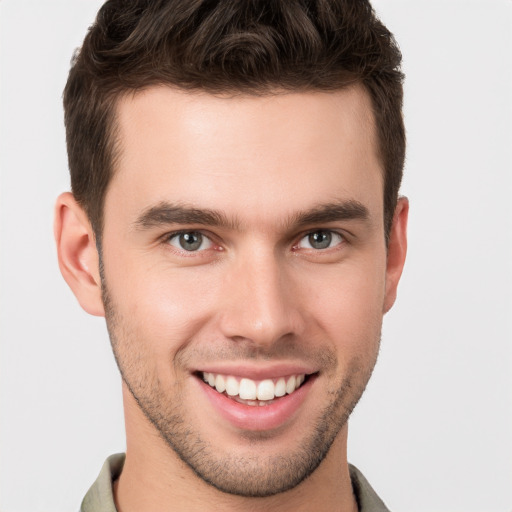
{"x": 235, "y": 217}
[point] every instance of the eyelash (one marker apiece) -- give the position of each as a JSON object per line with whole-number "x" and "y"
{"x": 194, "y": 253}
{"x": 176, "y": 234}
{"x": 332, "y": 234}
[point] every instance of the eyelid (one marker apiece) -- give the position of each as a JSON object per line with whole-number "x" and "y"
{"x": 309, "y": 232}
{"x": 165, "y": 240}
{"x": 217, "y": 245}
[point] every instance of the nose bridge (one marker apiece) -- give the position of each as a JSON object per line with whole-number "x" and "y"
{"x": 261, "y": 307}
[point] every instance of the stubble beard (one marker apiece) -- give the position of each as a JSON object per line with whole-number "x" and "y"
{"x": 246, "y": 476}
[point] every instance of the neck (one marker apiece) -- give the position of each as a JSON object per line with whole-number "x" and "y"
{"x": 154, "y": 478}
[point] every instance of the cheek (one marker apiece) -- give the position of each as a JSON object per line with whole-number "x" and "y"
{"x": 349, "y": 306}
{"x": 163, "y": 306}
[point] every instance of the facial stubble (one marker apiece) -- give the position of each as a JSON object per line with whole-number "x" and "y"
{"x": 242, "y": 475}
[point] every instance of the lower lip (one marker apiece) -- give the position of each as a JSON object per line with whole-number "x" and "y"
{"x": 258, "y": 418}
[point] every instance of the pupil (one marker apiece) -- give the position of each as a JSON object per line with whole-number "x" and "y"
{"x": 191, "y": 241}
{"x": 320, "y": 239}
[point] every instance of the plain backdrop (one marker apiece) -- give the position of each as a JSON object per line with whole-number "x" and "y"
{"x": 434, "y": 430}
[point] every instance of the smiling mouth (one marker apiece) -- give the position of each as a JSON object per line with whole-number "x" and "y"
{"x": 251, "y": 392}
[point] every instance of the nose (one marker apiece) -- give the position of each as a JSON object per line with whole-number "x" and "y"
{"x": 261, "y": 303}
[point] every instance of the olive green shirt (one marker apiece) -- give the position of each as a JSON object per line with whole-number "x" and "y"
{"x": 100, "y": 497}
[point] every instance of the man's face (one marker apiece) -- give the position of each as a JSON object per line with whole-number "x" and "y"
{"x": 243, "y": 245}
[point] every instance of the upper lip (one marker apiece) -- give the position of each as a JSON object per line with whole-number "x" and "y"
{"x": 260, "y": 372}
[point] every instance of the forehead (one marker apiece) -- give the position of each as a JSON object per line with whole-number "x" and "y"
{"x": 245, "y": 152}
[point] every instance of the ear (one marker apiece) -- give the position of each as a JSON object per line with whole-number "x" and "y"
{"x": 77, "y": 253}
{"x": 397, "y": 249}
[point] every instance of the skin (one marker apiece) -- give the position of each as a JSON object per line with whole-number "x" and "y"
{"x": 256, "y": 295}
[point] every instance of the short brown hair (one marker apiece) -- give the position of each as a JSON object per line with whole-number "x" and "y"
{"x": 226, "y": 46}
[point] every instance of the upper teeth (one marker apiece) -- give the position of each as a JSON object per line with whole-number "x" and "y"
{"x": 249, "y": 389}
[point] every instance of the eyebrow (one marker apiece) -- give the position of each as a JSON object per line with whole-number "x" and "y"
{"x": 166, "y": 213}
{"x": 332, "y": 212}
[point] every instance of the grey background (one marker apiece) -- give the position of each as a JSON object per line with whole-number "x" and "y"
{"x": 433, "y": 432}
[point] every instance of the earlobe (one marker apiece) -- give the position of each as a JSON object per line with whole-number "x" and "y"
{"x": 397, "y": 250}
{"x": 77, "y": 253}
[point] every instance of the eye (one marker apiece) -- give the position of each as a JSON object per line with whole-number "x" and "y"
{"x": 320, "y": 239}
{"x": 190, "y": 241}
